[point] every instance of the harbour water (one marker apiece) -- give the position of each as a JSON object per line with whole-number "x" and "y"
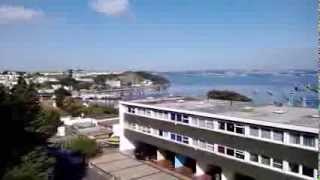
{"x": 292, "y": 87}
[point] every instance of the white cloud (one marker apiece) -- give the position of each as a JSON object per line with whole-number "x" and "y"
{"x": 9, "y": 14}
{"x": 111, "y": 7}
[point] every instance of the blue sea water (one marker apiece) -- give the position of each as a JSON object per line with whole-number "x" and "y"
{"x": 263, "y": 87}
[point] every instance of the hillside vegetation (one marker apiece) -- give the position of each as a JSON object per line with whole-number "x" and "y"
{"x": 227, "y": 95}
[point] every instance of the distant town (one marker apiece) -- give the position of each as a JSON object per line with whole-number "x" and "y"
{"x": 107, "y": 125}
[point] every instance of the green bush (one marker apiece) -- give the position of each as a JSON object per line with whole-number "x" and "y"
{"x": 84, "y": 146}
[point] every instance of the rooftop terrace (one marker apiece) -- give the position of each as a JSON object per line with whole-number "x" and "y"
{"x": 297, "y": 116}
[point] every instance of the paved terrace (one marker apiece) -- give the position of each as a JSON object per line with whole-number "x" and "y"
{"x": 299, "y": 116}
{"x": 115, "y": 164}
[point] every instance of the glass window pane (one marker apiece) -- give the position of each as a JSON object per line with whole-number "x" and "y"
{"x": 209, "y": 124}
{"x": 240, "y": 129}
{"x": 202, "y": 123}
{"x": 222, "y": 125}
{"x": 254, "y": 131}
{"x": 294, "y": 138}
{"x": 165, "y": 134}
{"x": 265, "y": 160}
{"x": 210, "y": 147}
{"x": 160, "y": 132}
{"x": 278, "y": 136}
{"x": 277, "y": 163}
{"x": 194, "y": 121}
{"x": 173, "y": 136}
{"x": 179, "y": 138}
{"x": 179, "y": 118}
{"x": 195, "y": 142}
{"x": 202, "y": 144}
{"x": 230, "y": 127}
{"x": 239, "y": 154}
{"x": 293, "y": 167}
{"x": 309, "y": 141}
{"x": 307, "y": 171}
{"x": 185, "y": 140}
{"x": 230, "y": 152}
{"x": 173, "y": 116}
{"x": 221, "y": 149}
{"x": 185, "y": 118}
{"x": 266, "y": 133}
{"x": 254, "y": 157}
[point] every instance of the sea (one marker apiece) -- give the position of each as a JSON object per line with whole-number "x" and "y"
{"x": 289, "y": 87}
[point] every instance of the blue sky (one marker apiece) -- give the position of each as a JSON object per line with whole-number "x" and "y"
{"x": 157, "y": 35}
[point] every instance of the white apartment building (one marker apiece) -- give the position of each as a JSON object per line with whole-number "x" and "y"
{"x": 227, "y": 141}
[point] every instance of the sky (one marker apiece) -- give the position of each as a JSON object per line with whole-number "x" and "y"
{"x": 162, "y": 35}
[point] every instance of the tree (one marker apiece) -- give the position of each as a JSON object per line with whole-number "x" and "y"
{"x": 35, "y": 165}
{"x": 100, "y": 79}
{"x": 156, "y": 79}
{"x": 61, "y": 94}
{"x": 46, "y": 123}
{"x": 72, "y": 107}
{"x": 26, "y": 127}
{"x": 227, "y": 95}
{"x": 95, "y": 110}
{"x": 84, "y": 146}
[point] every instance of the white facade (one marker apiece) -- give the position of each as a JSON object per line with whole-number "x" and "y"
{"x": 294, "y": 136}
{"x": 68, "y": 120}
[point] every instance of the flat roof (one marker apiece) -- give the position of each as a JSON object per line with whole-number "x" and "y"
{"x": 296, "y": 116}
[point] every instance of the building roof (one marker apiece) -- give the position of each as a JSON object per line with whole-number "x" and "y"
{"x": 241, "y": 111}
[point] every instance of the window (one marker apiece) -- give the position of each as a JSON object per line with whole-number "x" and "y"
{"x": 185, "y": 119}
{"x": 309, "y": 141}
{"x": 265, "y": 160}
{"x": 202, "y": 123}
{"x": 278, "y": 135}
{"x": 179, "y": 138}
{"x": 160, "y": 132}
{"x": 230, "y": 127}
{"x": 277, "y": 163}
{"x": 202, "y": 144}
{"x": 165, "y": 134}
{"x": 293, "y": 167}
{"x": 222, "y": 125}
{"x": 179, "y": 117}
{"x": 194, "y": 121}
{"x": 254, "y": 157}
{"x": 221, "y": 149}
{"x": 230, "y": 152}
{"x": 210, "y": 147}
{"x": 209, "y": 124}
{"x": 185, "y": 139}
{"x": 239, "y": 129}
{"x": 307, "y": 171}
{"x": 195, "y": 142}
{"x": 294, "y": 138}
{"x": 173, "y": 136}
{"x": 173, "y": 116}
{"x": 146, "y": 129}
{"x": 165, "y": 115}
{"x": 148, "y": 112}
{"x": 266, "y": 133}
{"x": 155, "y": 131}
{"x": 239, "y": 154}
{"x": 131, "y": 110}
{"x": 254, "y": 131}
